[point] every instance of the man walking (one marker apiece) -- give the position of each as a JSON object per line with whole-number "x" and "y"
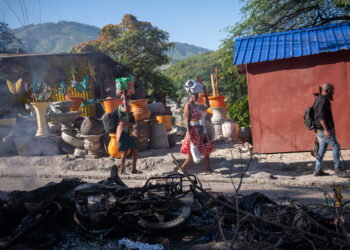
{"x": 324, "y": 130}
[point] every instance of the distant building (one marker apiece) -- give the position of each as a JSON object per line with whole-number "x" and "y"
{"x": 283, "y": 71}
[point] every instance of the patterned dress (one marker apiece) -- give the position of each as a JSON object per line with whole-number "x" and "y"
{"x": 204, "y": 148}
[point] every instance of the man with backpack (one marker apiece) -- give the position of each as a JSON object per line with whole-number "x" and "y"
{"x": 325, "y": 131}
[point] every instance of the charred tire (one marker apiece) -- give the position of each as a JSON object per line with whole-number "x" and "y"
{"x": 184, "y": 213}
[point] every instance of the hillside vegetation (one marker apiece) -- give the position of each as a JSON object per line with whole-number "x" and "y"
{"x": 202, "y": 65}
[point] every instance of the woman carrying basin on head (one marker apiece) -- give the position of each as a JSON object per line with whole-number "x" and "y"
{"x": 195, "y": 131}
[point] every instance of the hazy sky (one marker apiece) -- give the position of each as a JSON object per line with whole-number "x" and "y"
{"x": 197, "y": 22}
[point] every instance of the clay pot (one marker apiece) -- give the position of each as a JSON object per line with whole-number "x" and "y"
{"x": 166, "y": 119}
{"x": 113, "y": 147}
{"x": 159, "y": 137}
{"x": 218, "y": 118}
{"x": 92, "y": 143}
{"x": 216, "y": 101}
{"x": 90, "y": 126}
{"x": 111, "y": 105}
{"x": 72, "y": 140}
{"x": 245, "y": 133}
{"x": 157, "y": 108}
{"x": 140, "y": 109}
{"x": 172, "y": 139}
{"x": 77, "y": 102}
{"x": 62, "y": 107}
{"x": 41, "y": 110}
{"x": 229, "y": 130}
{"x": 219, "y": 115}
{"x": 201, "y": 98}
{"x": 141, "y": 132}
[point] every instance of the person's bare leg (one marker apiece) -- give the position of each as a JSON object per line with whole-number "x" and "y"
{"x": 122, "y": 162}
{"x": 134, "y": 159}
{"x": 207, "y": 164}
{"x": 187, "y": 161}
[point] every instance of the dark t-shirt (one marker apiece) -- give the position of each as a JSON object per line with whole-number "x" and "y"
{"x": 322, "y": 107}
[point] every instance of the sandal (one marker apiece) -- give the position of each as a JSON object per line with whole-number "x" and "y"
{"x": 136, "y": 172}
{"x": 211, "y": 172}
{"x": 180, "y": 171}
{"x": 123, "y": 173}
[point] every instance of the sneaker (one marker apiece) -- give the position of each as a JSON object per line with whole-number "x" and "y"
{"x": 320, "y": 173}
{"x": 340, "y": 172}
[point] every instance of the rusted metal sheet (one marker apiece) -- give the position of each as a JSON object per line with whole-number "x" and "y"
{"x": 280, "y": 91}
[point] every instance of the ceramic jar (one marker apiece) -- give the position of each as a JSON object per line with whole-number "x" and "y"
{"x": 216, "y": 101}
{"x": 92, "y": 144}
{"x": 157, "y": 108}
{"x": 140, "y": 109}
{"x": 229, "y": 130}
{"x": 166, "y": 119}
{"x": 111, "y": 105}
{"x": 77, "y": 102}
{"x": 218, "y": 118}
{"x": 90, "y": 126}
{"x": 159, "y": 137}
{"x": 141, "y": 132}
{"x": 61, "y": 107}
{"x": 113, "y": 147}
{"x": 41, "y": 110}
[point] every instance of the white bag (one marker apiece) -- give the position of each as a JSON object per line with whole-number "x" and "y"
{"x": 196, "y": 156}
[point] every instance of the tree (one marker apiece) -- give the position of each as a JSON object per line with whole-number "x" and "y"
{"x": 8, "y": 41}
{"x": 269, "y": 16}
{"x": 138, "y": 45}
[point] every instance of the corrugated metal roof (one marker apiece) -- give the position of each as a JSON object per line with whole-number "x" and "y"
{"x": 293, "y": 43}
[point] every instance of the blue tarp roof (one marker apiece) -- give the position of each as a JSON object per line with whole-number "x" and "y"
{"x": 292, "y": 43}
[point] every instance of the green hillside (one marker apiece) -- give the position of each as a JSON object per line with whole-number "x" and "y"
{"x": 62, "y": 36}
{"x": 202, "y": 65}
{"x": 183, "y": 51}
{"x": 55, "y": 37}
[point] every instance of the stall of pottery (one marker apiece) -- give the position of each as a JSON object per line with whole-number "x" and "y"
{"x": 218, "y": 118}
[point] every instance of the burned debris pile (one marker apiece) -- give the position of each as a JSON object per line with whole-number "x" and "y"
{"x": 164, "y": 204}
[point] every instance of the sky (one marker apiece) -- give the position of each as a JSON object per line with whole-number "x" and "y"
{"x": 196, "y": 22}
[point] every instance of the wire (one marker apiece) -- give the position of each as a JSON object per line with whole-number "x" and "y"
{"x": 13, "y": 12}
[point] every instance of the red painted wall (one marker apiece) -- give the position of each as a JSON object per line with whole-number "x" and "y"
{"x": 279, "y": 92}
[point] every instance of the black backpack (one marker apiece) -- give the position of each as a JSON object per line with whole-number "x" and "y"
{"x": 110, "y": 121}
{"x": 309, "y": 118}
